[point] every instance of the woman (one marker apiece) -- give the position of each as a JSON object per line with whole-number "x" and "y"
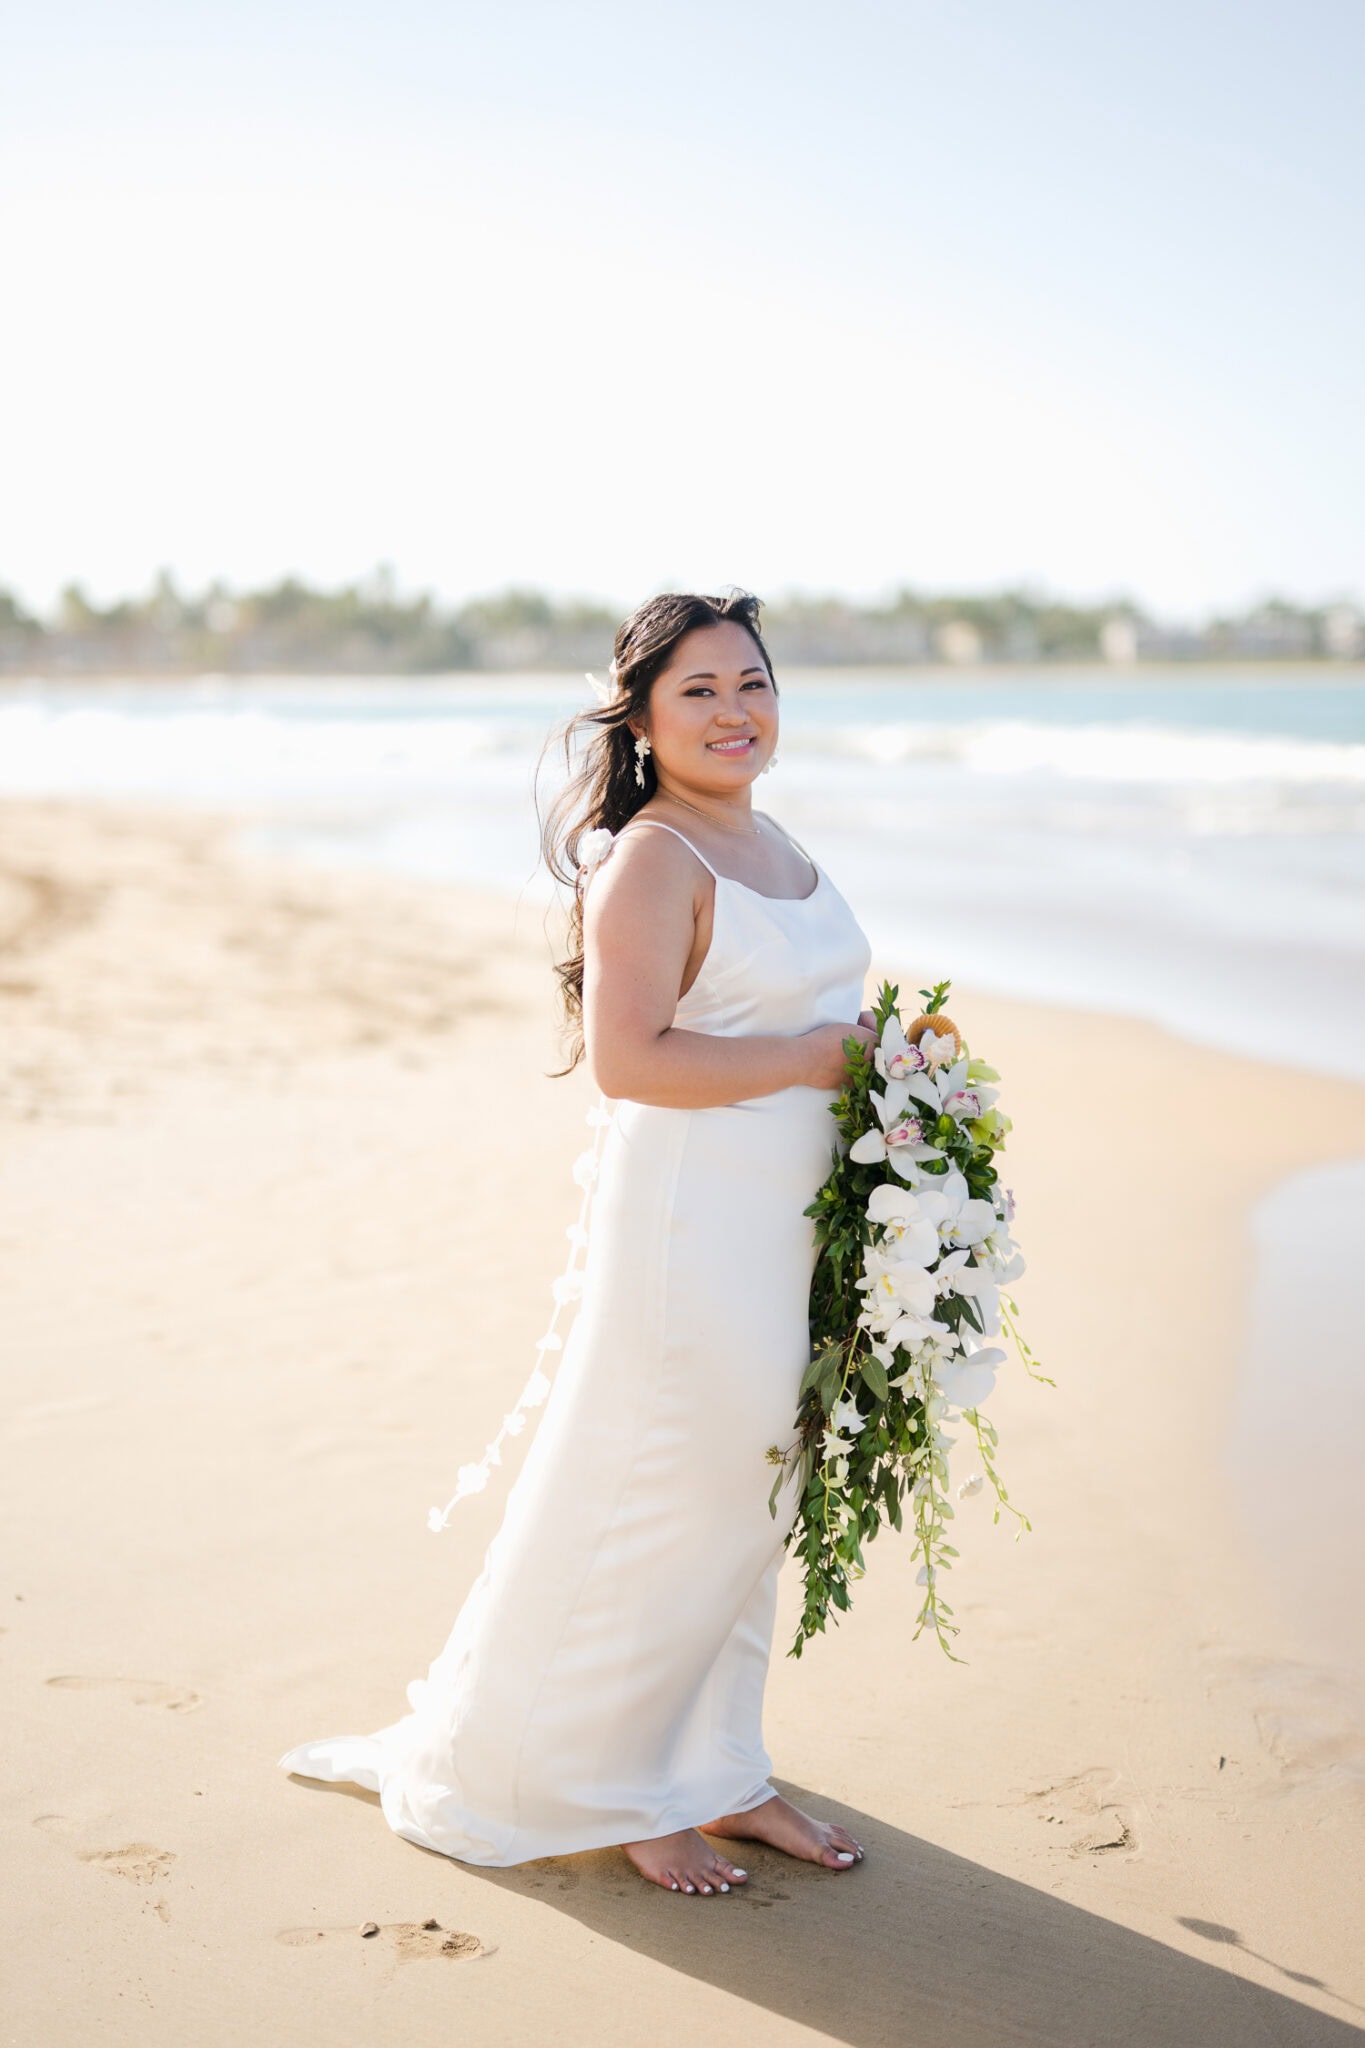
{"x": 603, "y": 1683}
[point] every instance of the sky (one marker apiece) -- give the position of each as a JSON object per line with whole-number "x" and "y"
{"x": 625, "y": 294}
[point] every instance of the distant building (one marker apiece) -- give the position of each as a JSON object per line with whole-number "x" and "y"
{"x": 1170, "y": 643}
{"x": 1271, "y": 632}
{"x": 1343, "y": 632}
{"x": 958, "y": 641}
{"x": 1119, "y": 638}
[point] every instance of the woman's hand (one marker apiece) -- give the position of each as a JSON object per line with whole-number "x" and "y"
{"x": 825, "y": 1048}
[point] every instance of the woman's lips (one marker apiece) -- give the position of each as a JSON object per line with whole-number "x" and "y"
{"x": 737, "y": 746}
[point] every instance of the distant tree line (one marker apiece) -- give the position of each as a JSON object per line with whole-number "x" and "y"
{"x": 367, "y": 628}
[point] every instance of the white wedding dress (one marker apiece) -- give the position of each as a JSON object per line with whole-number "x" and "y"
{"x": 603, "y": 1682}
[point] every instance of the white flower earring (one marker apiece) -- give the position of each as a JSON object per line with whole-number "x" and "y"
{"x": 642, "y": 748}
{"x": 770, "y": 763}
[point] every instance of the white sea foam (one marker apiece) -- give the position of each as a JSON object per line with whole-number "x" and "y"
{"x": 1099, "y": 753}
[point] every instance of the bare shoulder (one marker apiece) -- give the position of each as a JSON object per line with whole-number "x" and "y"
{"x": 646, "y": 870}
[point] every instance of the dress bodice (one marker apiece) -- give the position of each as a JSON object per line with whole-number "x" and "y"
{"x": 775, "y": 963}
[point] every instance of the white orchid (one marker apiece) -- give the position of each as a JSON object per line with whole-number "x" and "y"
{"x": 959, "y": 1217}
{"x": 955, "y": 1275}
{"x": 895, "y": 1287}
{"x": 928, "y": 1356}
{"x": 900, "y": 1140}
{"x": 834, "y": 1453}
{"x": 908, "y": 1232}
{"x": 895, "y": 1058}
{"x": 998, "y": 1252}
{"x": 845, "y": 1417}
{"x": 948, "y": 1089}
{"x": 970, "y": 1379}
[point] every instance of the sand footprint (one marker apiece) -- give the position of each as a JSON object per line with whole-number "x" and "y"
{"x": 138, "y": 1861}
{"x": 1105, "y": 1827}
{"x": 142, "y": 1692}
{"x": 410, "y": 1940}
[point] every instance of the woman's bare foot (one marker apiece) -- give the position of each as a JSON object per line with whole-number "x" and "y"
{"x": 684, "y": 1863}
{"x": 784, "y": 1826}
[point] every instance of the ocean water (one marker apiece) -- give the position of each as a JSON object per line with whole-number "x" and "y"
{"x": 1189, "y": 849}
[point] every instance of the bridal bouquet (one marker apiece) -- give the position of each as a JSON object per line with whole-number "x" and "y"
{"x": 912, "y": 1230}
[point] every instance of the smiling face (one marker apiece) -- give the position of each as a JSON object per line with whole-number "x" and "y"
{"x": 713, "y": 712}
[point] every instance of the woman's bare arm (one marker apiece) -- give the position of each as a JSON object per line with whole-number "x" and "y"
{"x": 640, "y": 923}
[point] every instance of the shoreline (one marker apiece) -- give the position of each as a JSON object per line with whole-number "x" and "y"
{"x": 283, "y": 1190}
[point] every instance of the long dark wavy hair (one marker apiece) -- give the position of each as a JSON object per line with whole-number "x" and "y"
{"x": 599, "y": 752}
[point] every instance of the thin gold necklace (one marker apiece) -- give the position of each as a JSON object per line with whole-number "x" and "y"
{"x": 744, "y": 831}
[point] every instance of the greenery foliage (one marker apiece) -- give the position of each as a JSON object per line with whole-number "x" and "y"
{"x": 890, "y": 1464}
{"x": 368, "y": 627}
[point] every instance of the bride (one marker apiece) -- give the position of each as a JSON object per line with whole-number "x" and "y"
{"x": 603, "y": 1682}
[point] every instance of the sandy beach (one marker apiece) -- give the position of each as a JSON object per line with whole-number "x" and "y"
{"x": 283, "y": 1187}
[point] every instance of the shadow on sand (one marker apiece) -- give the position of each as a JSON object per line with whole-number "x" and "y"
{"x": 917, "y": 1945}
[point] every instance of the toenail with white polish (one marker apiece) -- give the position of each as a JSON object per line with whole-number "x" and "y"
{"x": 724, "y": 1887}
{"x": 844, "y": 1855}
{"x": 741, "y": 1873}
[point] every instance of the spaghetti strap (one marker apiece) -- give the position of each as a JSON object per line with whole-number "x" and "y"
{"x": 677, "y": 835}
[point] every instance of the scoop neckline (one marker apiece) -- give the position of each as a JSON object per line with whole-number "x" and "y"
{"x": 733, "y": 880}
{"x": 749, "y": 890}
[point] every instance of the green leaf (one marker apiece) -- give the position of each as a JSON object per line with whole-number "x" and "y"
{"x": 874, "y": 1377}
{"x": 811, "y": 1375}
